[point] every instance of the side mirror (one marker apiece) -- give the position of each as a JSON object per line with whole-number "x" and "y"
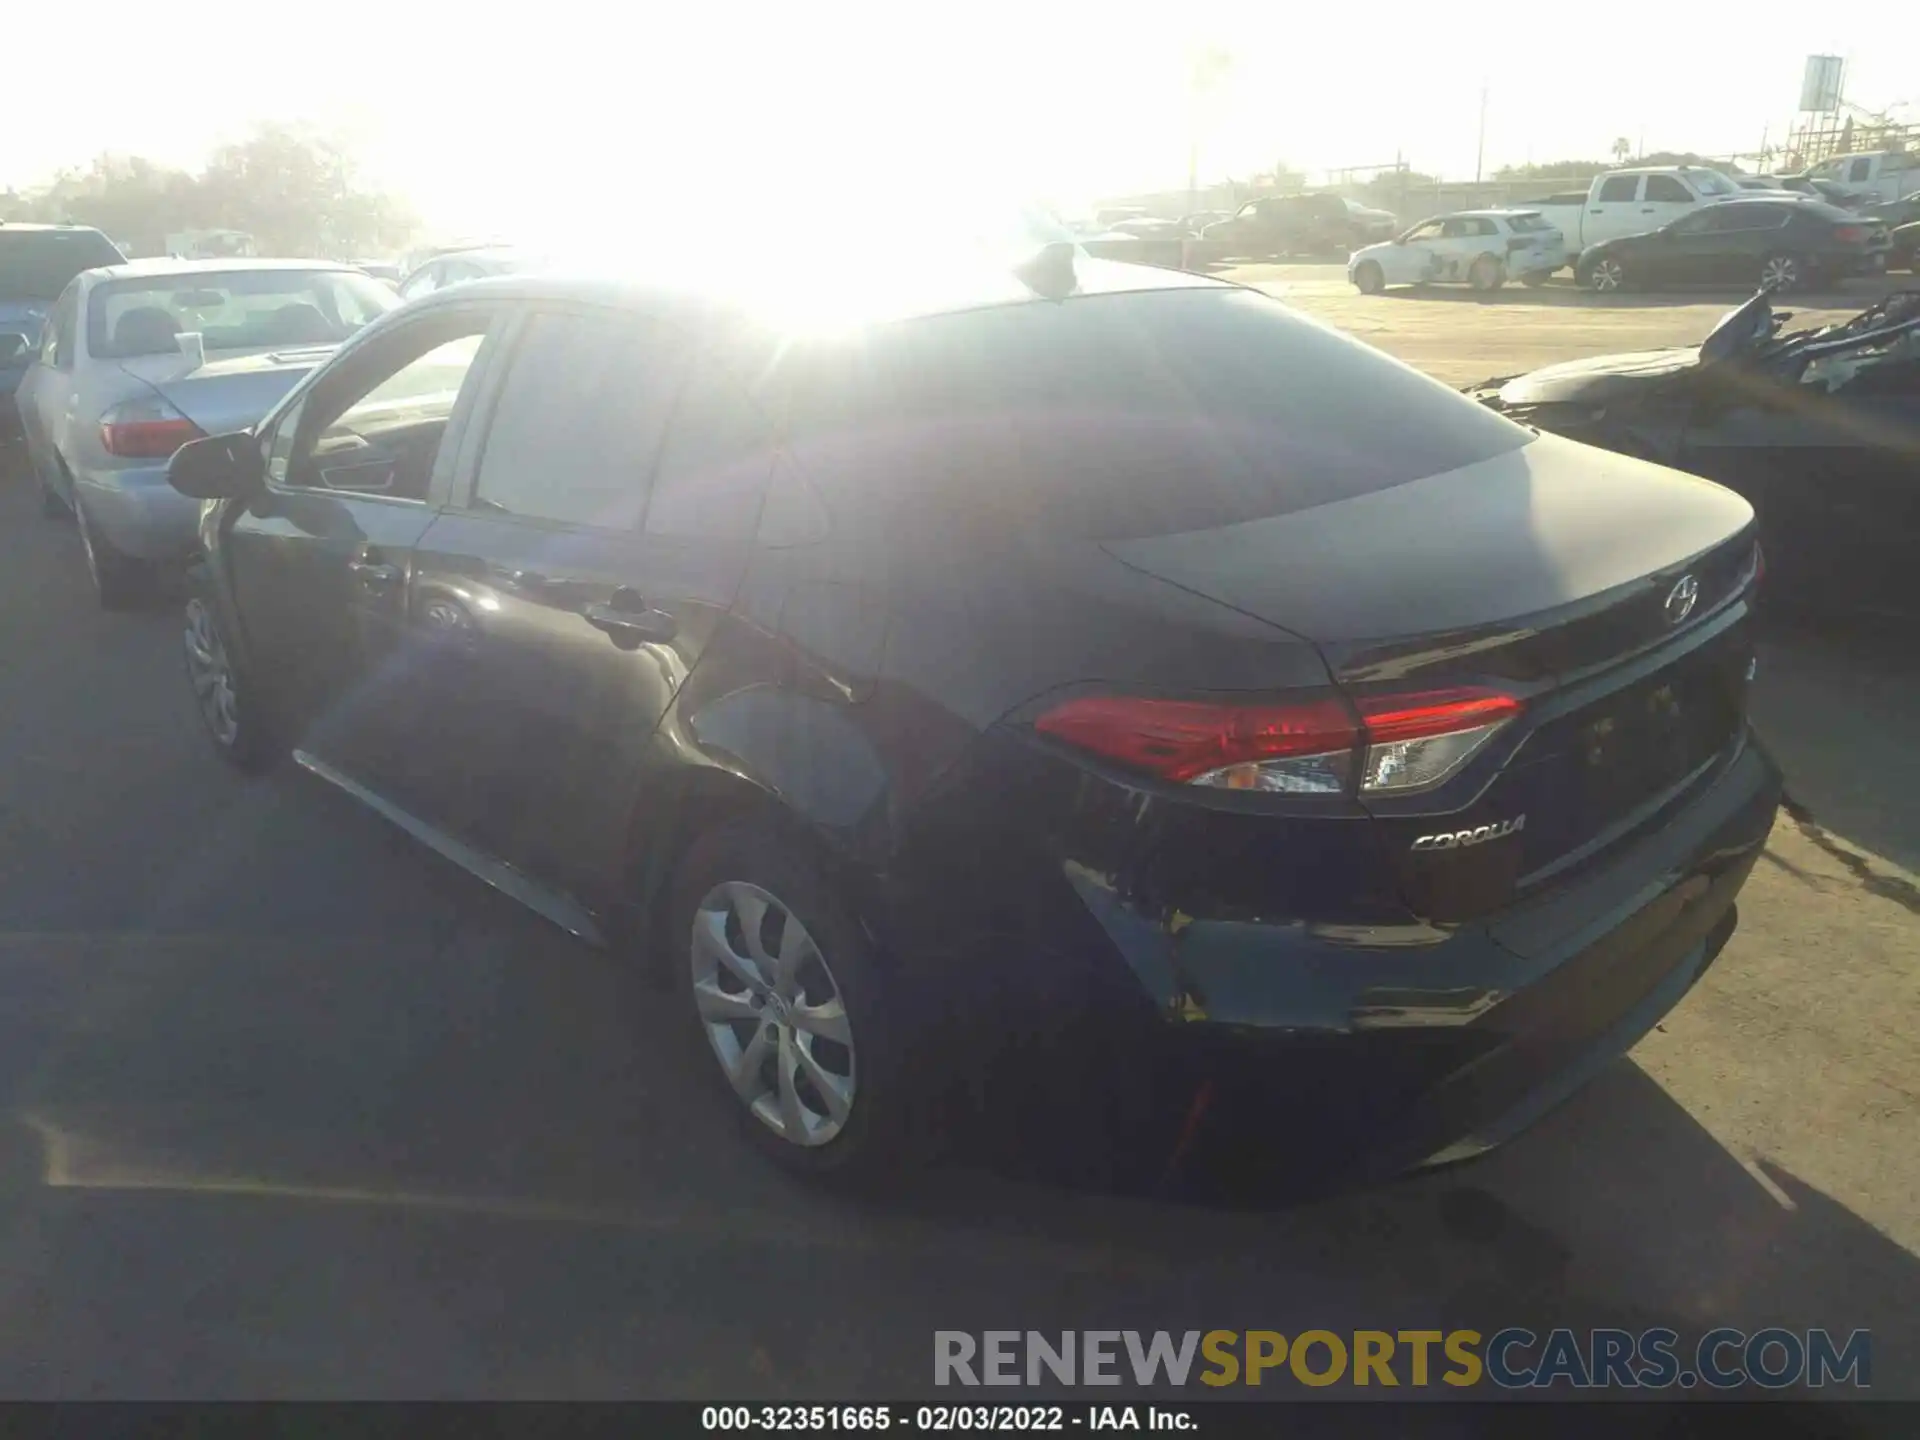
{"x": 219, "y": 467}
{"x": 12, "y": 347}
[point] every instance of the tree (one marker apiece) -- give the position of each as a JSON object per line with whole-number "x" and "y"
{"x": 1551, "y": 170}
{"x": 1622, "y": 148}
{"x": 294, "y": 191}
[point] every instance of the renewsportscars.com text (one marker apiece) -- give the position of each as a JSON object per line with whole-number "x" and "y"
{"x": 1512, "y": 1358}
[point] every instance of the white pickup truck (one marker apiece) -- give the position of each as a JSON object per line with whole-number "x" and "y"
{"x": 1887, "y": 175}
{"x": 1631, "y": 202}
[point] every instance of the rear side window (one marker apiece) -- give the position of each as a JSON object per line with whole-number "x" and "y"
{"x": 37, "y": 264}
{"x": 1121, "y": 416}
{"x": 714, "y": 462}
{"x": 579, "y": 422}
{"x": 1526, "y": 224}
{"x": 1620, "y": 187}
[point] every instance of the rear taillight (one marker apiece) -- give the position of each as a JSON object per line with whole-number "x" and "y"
{"x": 145, "y": 430}
{"x": 1315, "y": 745}
{"x": 1850, "y": 234}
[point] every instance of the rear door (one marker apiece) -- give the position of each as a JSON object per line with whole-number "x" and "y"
{"x": 1614, "y": 210}
{"x": 321, "y": 559}
{"x": 1664, "y": 199}
{"x": 588, "y": 558}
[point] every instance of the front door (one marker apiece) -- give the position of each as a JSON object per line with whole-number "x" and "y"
{"x": 321, "y": 559}
{"x": 578, "y": 576}
{"x": 47, "y": 399}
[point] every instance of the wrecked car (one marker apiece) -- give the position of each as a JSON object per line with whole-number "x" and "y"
{"x": 1818, "y": 428}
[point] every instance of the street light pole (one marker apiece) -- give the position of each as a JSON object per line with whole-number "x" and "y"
{"x": 1480, "y": 150}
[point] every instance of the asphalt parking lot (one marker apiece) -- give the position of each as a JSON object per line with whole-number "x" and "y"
{"x": 294, "y": 1109}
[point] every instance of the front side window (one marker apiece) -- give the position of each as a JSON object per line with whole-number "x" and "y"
{"x": 1666, "y": 190}
{"x": 378, "y": 430}
{"x": 1860, "y": 171}
{"x": 233, "y": 310}
{"x": 579, "y": 423}
{"x": 1620, "y": 188}
{"x": 1431, "y": 230}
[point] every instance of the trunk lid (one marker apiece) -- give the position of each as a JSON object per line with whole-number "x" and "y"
{"x": 228, "y": 391}
{"x": 1549, "y": 572}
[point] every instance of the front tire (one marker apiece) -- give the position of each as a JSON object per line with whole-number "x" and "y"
{"x": 1534, "y": 279}
{"x": 1487, "y": 275}
{"x": 792, "y": 1013}
{"x": 1783, "y": 273}
{"x": 119, "y": 581}
{"x": 1368, "y": 278}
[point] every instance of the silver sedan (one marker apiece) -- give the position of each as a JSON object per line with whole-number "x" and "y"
{"x": 137, "y": 359}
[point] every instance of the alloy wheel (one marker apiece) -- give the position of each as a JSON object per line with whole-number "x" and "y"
{"x": 1780, "y": 272}
{"x": 773, "y": 1013}
{"x": 1606, "y": 275}
{"x": 211, "y": 673}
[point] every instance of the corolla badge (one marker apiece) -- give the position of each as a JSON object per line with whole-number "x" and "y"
{"x": 1478, "y": 835}
{"x": 1682, "y": 598}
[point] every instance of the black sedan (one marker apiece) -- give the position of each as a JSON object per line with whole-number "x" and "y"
{"x": 1820, "y": 429}
{"x": 1077, "y": 692}
{"x": 1783, "y": 244}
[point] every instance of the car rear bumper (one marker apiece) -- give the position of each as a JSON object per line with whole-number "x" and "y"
{"x": 1377, "y": 1048}
{"x": 138, "y": 513}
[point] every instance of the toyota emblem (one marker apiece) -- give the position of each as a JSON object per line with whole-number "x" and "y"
{"x": 1681, "y": 599}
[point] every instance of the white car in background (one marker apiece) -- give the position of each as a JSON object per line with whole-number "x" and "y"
{"x": 135, "y": 360}
{"x": 1481, "y": 248}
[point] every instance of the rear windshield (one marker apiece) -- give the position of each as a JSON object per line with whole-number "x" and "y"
{"x": 38, "y": 264}
{"x": 1120, "y": 416}
{"x": 237, "y": 310}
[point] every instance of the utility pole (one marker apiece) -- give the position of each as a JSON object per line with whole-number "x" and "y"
{"x": 1480, "y": 150}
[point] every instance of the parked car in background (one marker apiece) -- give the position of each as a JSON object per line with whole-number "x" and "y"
{"x": 1374, "y": 223}
{"x": 1781, "y": 244}
{"x": 1199, "y": 220}
{"x": 139, "y": 358}
{"x": 1481, "y": 248}
{"x": 1882, "y": 175}
{"x": 1895, "y": 213}
{"x": 1903, "y": 247}
{"x": 1338, "y": 712}
{"x": 1631, "y": 202}
{"x": 1819, "y": 429}
{"x": 36, "y": 264}
{"x": 385, "y": 270}
{"x": 1815, "y": 187}
{"x": 455, "y": 267}
{"x": 1281, "y": 225}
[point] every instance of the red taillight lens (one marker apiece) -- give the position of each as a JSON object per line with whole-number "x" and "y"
{"x": 1849, "y": 234}
{"x": 1186, "y": 739}
{"x": 1405, "y": 742}
{"x": 145, "y": 430}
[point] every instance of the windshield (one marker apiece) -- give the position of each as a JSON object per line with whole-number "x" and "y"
{"x": 237, "y": 310}
{"x": 1711, "y": 182}
{"x": 38, "y": 264}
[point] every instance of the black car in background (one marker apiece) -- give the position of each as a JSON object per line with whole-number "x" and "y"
{"x": 1782, "y": 244}
{"x": 1820, "y": 429}
{"x": 1283, "y": 225}
{"x": 1903, "y": 247}
{"x": 36, "y": 263}
{"x": 1091, "y": 692}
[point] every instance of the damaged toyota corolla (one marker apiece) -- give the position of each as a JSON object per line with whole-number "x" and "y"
{"x": 1090, "y": 690}
{"x": 1819, "y": 428}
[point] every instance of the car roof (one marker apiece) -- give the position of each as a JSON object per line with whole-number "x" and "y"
{"x": 34, "y": 227}
{"x": 721, "y": 297}
{"x": 164, "y": 265}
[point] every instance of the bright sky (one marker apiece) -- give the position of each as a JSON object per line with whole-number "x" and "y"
{"x": 758, "y": 113}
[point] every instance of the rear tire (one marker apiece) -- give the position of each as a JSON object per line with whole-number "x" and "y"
{"x": 1534, "y": 279}
{"x": 806, "y": 1040}
{"x": 1368, "y": 278}
{"x": 119, "y": 581}
{"x": 1604, "y": 276}
{"x": 1783, "y": 273}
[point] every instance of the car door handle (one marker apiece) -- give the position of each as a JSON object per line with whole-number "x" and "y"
{"x": 376, "y": 577}
{"x": 636, "y": 626}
